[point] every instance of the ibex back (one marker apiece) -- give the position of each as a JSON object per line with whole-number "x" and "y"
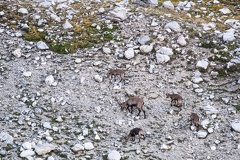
{"x": 116, "y": 72}
{"x": 195, "y": 119}
{"x": 133, "y": 102}
{"x": 134, "y": 132}
{"x": 176, "y": 99}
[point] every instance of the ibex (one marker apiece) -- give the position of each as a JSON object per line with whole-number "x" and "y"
{"x": 134, "y": 132}
{"x": 175, "y": 98}
{"x": 116, "y": 72}
{"x": 133, "y": 102}
{"x": 195, "y": 119}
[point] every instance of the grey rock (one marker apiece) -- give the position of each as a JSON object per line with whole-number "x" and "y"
{"x": 88, "y": 146}
{"x": 17, "y": 53}
{"x": 143, "y": 40}
{"x": 235, "y": 126}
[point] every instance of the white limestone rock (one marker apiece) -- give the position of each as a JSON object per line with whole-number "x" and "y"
{"x": 6, "y": 138}
{"x": 23, "y": 11}
{"x": 27, "y": 74}
{"x": 143, "y": 40}
{"x": 197, "y": 79}
{"x": 47, "y": 125}
{"x": 168, "y": 4}
{"x": 205, "y": 123}
{"x": 27, "y": 153}
{"x": 77, "y": 147}
{"x": 114, "y": 155}
{"x": 146, "y": 48}
{"x": 173, "y": 26}
{"x": 209, "y": 26}
{"x": 67, "y": 25}
{"x": 98, "y": 78}
{"x": 88, "y": 146}
{"x": 49, "y": 80}
{"x": 106, "y": 50}
{"x": 165, "y": 51}
{"x": 129, "y": 53}
{"x": 162, "y": 58}
{"x": 42, "y": 149}
{"x": 225, "y": 10}
{"x": 202, "y": 64}
{"x": 202, "y": 134}
{"x": 235, "y": 126}
{"x": 27, "y": 145}
{"x": 42, "y": 45}
{"x": 120, "y": 13}
{"x": 210, "y": 110}
{"x": 229, "y": 35}
{"x": 17, "y": 53}
{"x": 181, "y": 40}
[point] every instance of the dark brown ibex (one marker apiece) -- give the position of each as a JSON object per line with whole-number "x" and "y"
{"x": 134, "y": 132}
{"x": 133, "y": 102}
{"x": 176, "y": 99}
{"x": 195, "y": 120}
{"x": 116, "y": 72}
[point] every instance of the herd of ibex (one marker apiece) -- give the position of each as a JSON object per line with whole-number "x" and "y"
{"x": 138, "y": 102}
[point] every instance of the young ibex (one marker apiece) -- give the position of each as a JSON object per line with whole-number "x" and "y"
{"x": 116, "y": 72}
{"x": 195, "y": 120}
{"x": 134, "y": 132}
{"x": 133, "y": 102}
{"x": 175, "y": 98}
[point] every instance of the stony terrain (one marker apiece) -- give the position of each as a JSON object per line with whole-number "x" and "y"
{"x": 57, "y": 102}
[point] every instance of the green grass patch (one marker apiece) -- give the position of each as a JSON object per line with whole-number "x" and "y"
{"x": 237, "y": 107}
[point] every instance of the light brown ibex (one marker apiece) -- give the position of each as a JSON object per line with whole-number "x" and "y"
{"x": 133, "y": 102}
{"x": 176, "y": 99}
{"x": 195, "y": 120}
{"x": 134, "y": 132}
{"x": 116, "y": 72}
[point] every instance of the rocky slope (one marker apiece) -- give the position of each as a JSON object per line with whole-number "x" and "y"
{"x": 58, "y": 103}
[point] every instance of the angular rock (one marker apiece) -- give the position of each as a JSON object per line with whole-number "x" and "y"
{"x": 202, "y": 134}
{"x": 168, "y": 4}
{"x": 235, "y": 126}
{"x": 17, "y": 53}
{"x": 202, "y": 64}
{"x": 181, "y": 40}
{"x": 165, "y": 50}
{"x": 42, "y": 45}
{"x": 4, "y": 136}
{"x": 173, "y": 26}
{"x": 27, "y": 153}
{"x": 114, "y": 155}
{"x": 229, "y": 35}
{"x": 27, "y": 145}
{"x": 67, "y": 25}
{"x": 225, "y": 10}
{"x": 42, "y": 149}
{"x": 146, "y": 48}
{"x": 106, "y": 50}
{"x": 162, "y": 58}
{"x": 120, "y": 13}
{"x": 49, "y": 80}
{"x": 143, "y": 40}
{"x": 77, "y": 147}
{"x": 88, "y": 146}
